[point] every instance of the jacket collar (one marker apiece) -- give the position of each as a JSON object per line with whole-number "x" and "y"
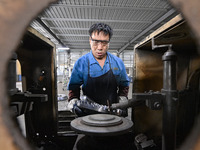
{"x": 92, "y": 60}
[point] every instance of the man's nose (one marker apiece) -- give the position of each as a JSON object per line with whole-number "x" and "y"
{"x": 100, "y": 45}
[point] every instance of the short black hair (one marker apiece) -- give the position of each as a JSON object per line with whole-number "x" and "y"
{"x": 98, "y": 27}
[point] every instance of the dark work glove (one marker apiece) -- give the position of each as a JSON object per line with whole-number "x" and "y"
{"x": 78, "y": 111}
{"x": 72, "y": 106}
{"x": 124, "y": 112}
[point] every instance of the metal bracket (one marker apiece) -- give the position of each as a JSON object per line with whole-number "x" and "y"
{"x": 159, "y": 46}
{"x": 153, "y": 100}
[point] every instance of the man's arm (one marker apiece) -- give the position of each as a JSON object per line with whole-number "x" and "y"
{"x": 123, "y": 91}
{"x": 75, "y": 81}
{"x": 74, "y": 94}
{"x": 124, "y": 82}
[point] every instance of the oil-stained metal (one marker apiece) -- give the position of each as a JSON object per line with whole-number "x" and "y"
{"x": 20, "y": 14}
{"x": 168, "y": 97}
{"x": 12, "y": 26}
{"x": 153, "y": 100}
{"x": 171, "y": 101}
{"x": 191, "y": 12}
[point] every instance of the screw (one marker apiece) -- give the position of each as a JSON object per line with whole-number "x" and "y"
{"x": 157, "y": 105}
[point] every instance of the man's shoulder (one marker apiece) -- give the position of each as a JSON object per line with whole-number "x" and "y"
{"x": 83, "y": 58}
{"x": 114, "y": 58}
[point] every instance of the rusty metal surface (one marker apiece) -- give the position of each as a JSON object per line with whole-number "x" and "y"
{"x": 148, "y": 76}
{"x": 190, "y": 11}
{"x": 101, "y": 125}
{"x": 40, "y": 78}
{"x": 14, "y": 18}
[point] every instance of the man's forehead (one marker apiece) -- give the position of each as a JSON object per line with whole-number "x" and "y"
{"x": 95, "y": 33}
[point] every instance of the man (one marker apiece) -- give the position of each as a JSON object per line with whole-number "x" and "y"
{"x": 102, "y": 75}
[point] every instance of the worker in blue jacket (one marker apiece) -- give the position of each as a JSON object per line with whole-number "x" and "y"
{"x": 102, "y": 75}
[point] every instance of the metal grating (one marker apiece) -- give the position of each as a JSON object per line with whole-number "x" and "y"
{"x": 131, "y": 21}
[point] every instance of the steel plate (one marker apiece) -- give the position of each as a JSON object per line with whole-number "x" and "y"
{"x": 101, "y": 120}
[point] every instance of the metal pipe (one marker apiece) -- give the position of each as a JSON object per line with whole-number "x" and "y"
{"x": 50, "y": 32}
{"x": 11, "y": 79}
{"x": 124, "y": 104}
{"x": 170, "y": 102}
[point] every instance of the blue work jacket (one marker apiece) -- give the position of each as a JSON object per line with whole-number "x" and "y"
{"x": 80, "y": 70}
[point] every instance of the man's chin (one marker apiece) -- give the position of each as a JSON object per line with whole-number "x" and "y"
{"x": 99, "y": 57}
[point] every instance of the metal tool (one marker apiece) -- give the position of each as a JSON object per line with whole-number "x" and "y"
{"x": 89, "y": 105}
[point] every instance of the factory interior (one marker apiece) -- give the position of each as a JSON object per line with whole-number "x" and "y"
{"x": 159, "y": 44}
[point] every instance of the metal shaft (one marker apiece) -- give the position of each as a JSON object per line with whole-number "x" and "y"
{"x": 170, "y": 103}
{"x": 12, "y": 72}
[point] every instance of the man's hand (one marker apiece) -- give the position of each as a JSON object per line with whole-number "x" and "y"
{"x": 72, "y": 106}
{"x": 122, "y": 99}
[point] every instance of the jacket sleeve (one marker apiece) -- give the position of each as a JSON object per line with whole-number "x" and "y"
{"x": 74, "y": 94}
{"x": 123, "y": 91}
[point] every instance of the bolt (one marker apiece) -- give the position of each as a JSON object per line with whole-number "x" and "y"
{"x": 157, "y": 105}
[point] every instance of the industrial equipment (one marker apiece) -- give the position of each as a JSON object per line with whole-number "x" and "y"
{"x": 166, "y": 83}
{"x": 38, "y": 100}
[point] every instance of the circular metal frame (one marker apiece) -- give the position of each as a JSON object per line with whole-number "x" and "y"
{"x": 20, "y": 15}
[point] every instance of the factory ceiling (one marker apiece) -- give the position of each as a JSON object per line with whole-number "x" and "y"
{"x": 66, "y": 22}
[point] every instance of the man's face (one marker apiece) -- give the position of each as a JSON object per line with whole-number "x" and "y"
{"x": 99, "y": 44}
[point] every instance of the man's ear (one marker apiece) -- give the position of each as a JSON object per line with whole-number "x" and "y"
{"x": 90, "y": 40}
{"x": 108, "y": 45}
